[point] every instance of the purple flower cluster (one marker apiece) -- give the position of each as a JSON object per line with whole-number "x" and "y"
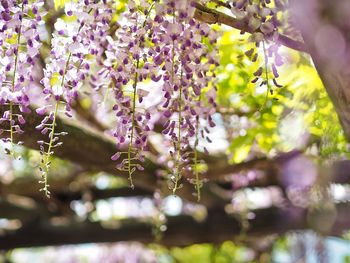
{"x": 156, "y": 47}
{"x": 187, "y": 67}
{"x": 20, "y": 43}
{"x": 161, "y": 42}
{"x": 76, "y": 46}
{"x": 262, "y": 19}
{"x": 128, "y": 63}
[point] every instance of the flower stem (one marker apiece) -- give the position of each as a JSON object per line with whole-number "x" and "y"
{"x": 14, "y": 82}
{"x": 198, "y": 184}
{"x": 148, "y": 13}
{"x": 196, "y": 172}
{"x": 178, "y": 146}
{"x": 130, "y": 171}
{"x": 266, "y": 76}
{"x": 48, "y": 154}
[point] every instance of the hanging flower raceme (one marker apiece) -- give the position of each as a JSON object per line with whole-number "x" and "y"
{"x": 262, "y": 19}
{"x": 186, "y": 65}
{"x": 75, "y": 46}
{"x": 155, "y": 42}
{"x": 127, "y": 65}
{"x": 20, "y": 43}
{"x": 161, "y": 42}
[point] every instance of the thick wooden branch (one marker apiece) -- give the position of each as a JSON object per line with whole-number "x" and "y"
{"x": 9, "y": 210}
{"x": 212, "y": 16}
{"x": 60, "y": 190}
{"x": 92, "y": 150}
{"x": 181, "y": 231}
{"x": 339, "y": 173}
{"x": 84, "y": 146}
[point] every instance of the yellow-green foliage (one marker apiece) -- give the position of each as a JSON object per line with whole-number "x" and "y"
{"x": 302, "y": 106}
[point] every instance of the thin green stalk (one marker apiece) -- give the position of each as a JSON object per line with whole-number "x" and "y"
{"x": 173, "y": 53}
{"x": 133, "y": 123}
{"x": 196, "y": 172}
{"x": 148, "y": 14}
{"x": 14, "y": 82}
{"x": 266, "y": 76}
{"x": 131, "y": 169}
{"x": 178, "y": 146}
{"x": 48, "y": 154}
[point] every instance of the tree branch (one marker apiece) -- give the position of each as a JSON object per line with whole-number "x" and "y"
{"x": 181, "y": 230}
{"x": 93, "y": 150}
{"x": 211, "y": 16}
{"x": 84, "y": 146}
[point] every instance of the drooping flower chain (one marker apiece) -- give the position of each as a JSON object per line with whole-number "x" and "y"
{"x": 74, "y": 46}
{"x": 262, "y": 19}
{"x": 172, "y": 59}
{"x": 187, "y": 76}
{"x": 128, "y": 61}
{"x": 20, "y": 43}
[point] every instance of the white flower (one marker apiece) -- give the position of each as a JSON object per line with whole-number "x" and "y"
{"x": 57, "y": 90}
{"x": 60, "y": 25}
{"x": 72, "y": 74}
{"x": 70, "y": 7}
